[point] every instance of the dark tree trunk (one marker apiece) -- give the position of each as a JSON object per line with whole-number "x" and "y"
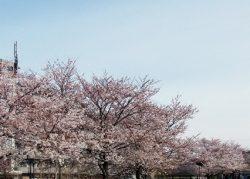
{"x": 138, "y": 172}
{"x": 59, "y": 171}
{"x": 104, "y": 166}
{"x": 105, "y": 174}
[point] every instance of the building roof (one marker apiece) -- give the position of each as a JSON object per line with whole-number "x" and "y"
{"x": 6, "y": 66}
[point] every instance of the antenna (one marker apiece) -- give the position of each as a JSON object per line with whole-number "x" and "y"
{"x": 15, "y": 58}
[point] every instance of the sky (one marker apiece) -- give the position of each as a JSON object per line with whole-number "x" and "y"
{"x": 197, "y": 49}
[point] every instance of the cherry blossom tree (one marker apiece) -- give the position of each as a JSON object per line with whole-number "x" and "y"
{"x": 16, "y": 93}
{"x": 111, "y": 107}
{"x": 36, "y": 112}
{"x": 122, "y": 119}
{"x": 49, "y": 121}
{"x": 218, "y": 157}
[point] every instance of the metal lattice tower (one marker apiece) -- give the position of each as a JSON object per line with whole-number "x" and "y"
{"x": 15, "y": 58}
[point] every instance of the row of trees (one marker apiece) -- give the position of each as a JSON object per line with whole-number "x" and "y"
{"x": 104, "y": 125}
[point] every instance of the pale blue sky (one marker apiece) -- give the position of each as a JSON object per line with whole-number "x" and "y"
{"x": 195, "y": 48}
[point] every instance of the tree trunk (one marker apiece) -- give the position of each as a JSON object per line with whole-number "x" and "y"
{"x": 104, "y": 168}
{"x": 138, "y": 172}
{"x": 59, "y": 171}
{"x": 103, "y": 165}
{"x": 105, "y": 171}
